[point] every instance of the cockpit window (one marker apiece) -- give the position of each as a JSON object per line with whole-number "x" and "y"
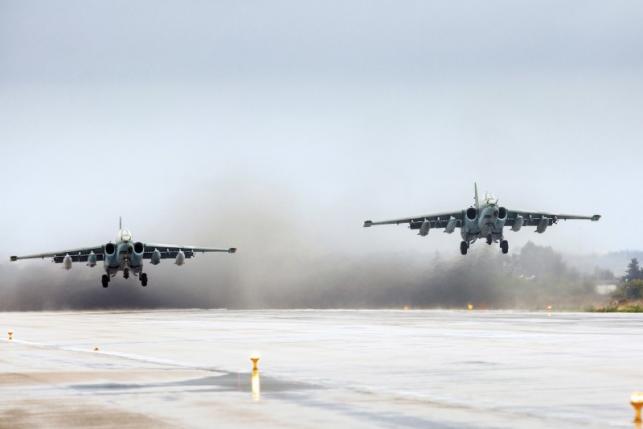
{"x": 490, "y": 199}
{"x": 125, "y": 235}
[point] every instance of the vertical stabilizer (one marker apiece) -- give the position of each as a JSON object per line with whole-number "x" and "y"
{"x": 120, "y": 223}
{"x": 475, "y": 198}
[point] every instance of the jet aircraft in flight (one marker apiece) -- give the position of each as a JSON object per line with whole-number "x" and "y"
{"x": 124, "y": 255}
{"x": 485, "y": 219}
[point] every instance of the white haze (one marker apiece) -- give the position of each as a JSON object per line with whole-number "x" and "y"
{"x": 320, "y": 115}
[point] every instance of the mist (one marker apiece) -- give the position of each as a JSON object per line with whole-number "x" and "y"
{"x": 289, "y": 259}
{"x": 279, "y": 128}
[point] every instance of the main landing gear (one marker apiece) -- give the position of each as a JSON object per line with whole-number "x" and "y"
{"x": 106, "y": 278}
{"x": 504, "y": 246}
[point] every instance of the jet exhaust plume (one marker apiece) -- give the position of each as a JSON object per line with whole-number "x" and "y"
{"x": 280, "y": 264}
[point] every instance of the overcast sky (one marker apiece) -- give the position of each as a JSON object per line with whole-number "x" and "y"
{"x": 325, "y": 113}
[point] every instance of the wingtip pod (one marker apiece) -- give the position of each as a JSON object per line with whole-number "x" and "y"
{"x": 368, "y": 223}
{"x": 596, "y": 217}
{"x": 232, "y": 250}
{"x": 13, "y": 258}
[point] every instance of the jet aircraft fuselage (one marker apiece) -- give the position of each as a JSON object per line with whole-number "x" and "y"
{"x": 485, "y": 219}
{"x": 124, "y": 255}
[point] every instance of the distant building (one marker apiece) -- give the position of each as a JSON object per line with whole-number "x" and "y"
{"x": 605, "y": 289}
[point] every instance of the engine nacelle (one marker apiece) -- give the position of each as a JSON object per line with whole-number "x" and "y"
{"x": 111, "y": 258}
{"x": 91, "y": 259}
{"x": 67, "y": 262}
{"x": 138, "y": 248}
{"x": 542, "y": 225}
{"x": 472, "y": 213}
{"x": 180, "y": 258}
{"x": 424, "y": 228}
{"x": 502, "y": 213}
{"x": 518, "y": 223}
{"x": 156, "y": 257}
{"x": 135, "y": 253}
{"x": 110, "y": 249}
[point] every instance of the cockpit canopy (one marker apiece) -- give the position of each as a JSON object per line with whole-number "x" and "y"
{"x": 489, "y": 199}
{"x": 124, "y": 235}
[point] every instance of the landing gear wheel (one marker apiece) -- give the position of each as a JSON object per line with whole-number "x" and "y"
{"x": 126, "y": 274}
{"x": 464, "y": 246}
{"x": 143, "y": 277}
{"x": 504, "y": 245}
{"x": 489, "y": 240}
{"x": 105, "y": 280}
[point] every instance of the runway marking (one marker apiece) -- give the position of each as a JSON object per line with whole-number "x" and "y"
{"x": 125, "y": 356}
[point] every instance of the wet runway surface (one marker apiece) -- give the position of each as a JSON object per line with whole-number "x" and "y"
{"x": 370, "y": 368}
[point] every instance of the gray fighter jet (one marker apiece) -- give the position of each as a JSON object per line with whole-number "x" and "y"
{"x": 485, "y": 219}
{"x": 124, "y": 255}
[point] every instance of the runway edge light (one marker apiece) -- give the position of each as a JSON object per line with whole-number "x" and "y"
{"x": 10, "y": 334}
{"x": 254, "y": 358}
{"x": 254, "y": 379}
{"x": 637, "y": 402}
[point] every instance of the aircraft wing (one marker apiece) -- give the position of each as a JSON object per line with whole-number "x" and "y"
{"x": 171, "y": 250}
{"x": 438, "y": 220}
{"x": 77, "y": 255}
{"x": 533, "y": 218}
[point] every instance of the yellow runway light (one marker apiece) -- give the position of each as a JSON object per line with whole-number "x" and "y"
{"x": 10, "y": 333}
{"x": 637, "y": 402}
{"x": 255, "y": 381}
{"x": 254, "y": 358}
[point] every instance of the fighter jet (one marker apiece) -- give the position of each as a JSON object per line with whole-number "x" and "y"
{"x": 485, "y": 219}
{"x": 124, "y": 255}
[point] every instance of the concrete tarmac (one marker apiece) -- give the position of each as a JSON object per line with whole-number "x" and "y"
{"x": 341, "y": 368}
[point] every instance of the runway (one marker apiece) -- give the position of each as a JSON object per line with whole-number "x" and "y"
{"x": 332, "y": 368}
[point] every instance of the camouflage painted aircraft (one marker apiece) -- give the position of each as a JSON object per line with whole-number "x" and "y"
{"x": 125, "y": 255}
{"x": 485, "y": 219}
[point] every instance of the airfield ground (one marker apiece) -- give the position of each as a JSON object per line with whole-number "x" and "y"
{"x": 439, "y": 369}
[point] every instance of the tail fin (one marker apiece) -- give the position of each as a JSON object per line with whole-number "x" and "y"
{"x": 120, "y": 223}
{"x": 475, "y": 198}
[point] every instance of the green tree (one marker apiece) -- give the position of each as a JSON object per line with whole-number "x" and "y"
{"x": 633, "y": 271}
{"x": 633, "y": 289}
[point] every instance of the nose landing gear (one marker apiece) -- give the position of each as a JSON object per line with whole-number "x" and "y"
{"x": 504, "y": 246}
{"x": 464, "y": 246}
{"x": 105, "y": 280}
{"x": 143, "y": 278}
